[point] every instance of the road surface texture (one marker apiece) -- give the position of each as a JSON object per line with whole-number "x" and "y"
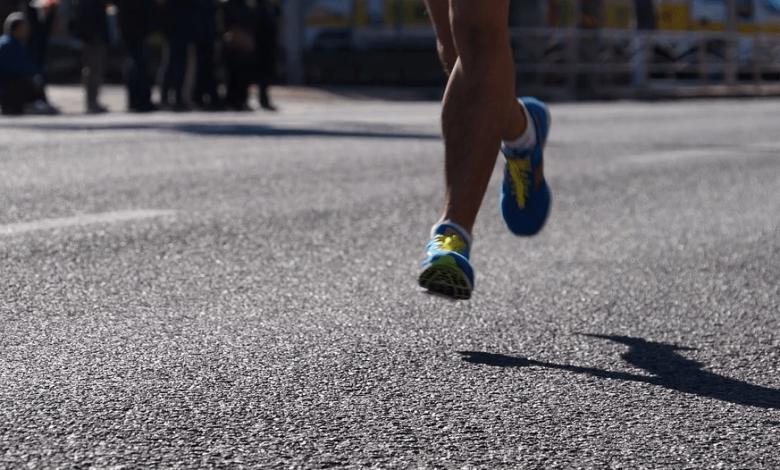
{"x": 239, "y": 290}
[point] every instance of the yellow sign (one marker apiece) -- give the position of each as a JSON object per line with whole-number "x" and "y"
{"x": 673, "y": 17}
{"x": 618, "y": 14}
{"x": 561, "y": 13}
{"x": 406, "y": 12}
{"x": 361, "y": 13}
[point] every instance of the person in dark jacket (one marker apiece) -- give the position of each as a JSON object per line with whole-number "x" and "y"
{"x": 136, "y": 21}
{"x": 92, "y": 29}
{"x": 41, "y": 14}
{"x": 180, "y": 27}
{"x": 21, "y": 82}
{"x": 266, "y": 33}
{"x": 205, "y": 93}
{"x": 239, "y": 52}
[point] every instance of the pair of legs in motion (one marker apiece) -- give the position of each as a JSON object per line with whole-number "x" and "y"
{"x": 480, "y": 115}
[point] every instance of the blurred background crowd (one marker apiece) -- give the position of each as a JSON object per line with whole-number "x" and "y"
{"x": 210, "y": 52}
{"x": 222, "y": 54}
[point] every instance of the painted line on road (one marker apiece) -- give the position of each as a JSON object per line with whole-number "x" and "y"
{"x": 766, "y": 146}
{"x": 671, "y": 156}
{"x": 85, "y": 219}
{"x": 694, "y": 155}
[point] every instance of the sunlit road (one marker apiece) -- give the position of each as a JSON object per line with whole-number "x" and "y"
{"x": 238, "y": 290}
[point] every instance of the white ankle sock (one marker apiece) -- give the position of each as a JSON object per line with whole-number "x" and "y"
{"x": 527, "y": 140}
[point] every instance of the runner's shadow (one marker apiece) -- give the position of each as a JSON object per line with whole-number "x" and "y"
{"x": 668, "y": 368}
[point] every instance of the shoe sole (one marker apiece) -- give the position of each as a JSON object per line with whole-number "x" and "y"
{"x": 444, "y": 277}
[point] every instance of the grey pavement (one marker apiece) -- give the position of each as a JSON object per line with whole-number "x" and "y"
{"x": 238, "y": 290}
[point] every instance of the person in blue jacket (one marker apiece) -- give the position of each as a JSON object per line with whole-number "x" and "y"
{"x": 21, "y": 79}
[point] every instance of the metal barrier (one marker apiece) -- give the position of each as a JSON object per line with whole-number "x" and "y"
{"x": 576, "y": 63}
{"x": 566, "y": 63}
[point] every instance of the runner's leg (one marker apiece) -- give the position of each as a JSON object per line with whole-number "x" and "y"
{"x": 443, "y": 16}
{"x": 479, "y": 104}
{"x": 479, "y": 111}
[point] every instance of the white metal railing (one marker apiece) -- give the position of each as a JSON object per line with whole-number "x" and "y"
{"x": 573, "y": 63}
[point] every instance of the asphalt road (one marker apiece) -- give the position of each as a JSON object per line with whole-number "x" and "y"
{"x": 238, "y": 291}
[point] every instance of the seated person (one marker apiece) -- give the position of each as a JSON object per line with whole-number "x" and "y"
{"x": 21, "y": 79}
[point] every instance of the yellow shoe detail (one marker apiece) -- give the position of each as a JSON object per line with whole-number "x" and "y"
{"x": 449, "y": 243}
{"x": 520, "y": 172}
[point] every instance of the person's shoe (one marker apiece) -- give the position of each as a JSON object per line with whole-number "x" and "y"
{"x": 12, "y": 110}
{"x": 41, "y": 108}
{"x": 143, "y": 108}
{"x": 266, "y": 105}
{"x": 240, "y": 107}
{"x": 180, "y": 107}
{"x": 96, "y": 108}
{"x": 525, "y": 196}
{"x": 446, "y": 271}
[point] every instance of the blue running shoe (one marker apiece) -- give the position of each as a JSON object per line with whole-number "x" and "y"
{"x": 446, "y": 270}
{"x": 525, "y": 197}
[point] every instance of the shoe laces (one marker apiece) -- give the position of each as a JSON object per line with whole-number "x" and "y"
{"x": 449, "y": 243}
{"x": 520, "y": 172}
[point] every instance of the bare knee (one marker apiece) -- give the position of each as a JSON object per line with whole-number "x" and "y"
{"x": 479, "y": 28}
{"x": 447, "y": 54}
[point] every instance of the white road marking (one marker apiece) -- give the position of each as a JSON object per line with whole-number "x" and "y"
{"x": 85, "y": 219}
{"x": 698, "y": 155}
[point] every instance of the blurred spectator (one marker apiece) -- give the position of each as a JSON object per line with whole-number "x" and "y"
{"x": 92, "y": 29}
{"x": 21, "y": 82}
{"x": 645, "y": 14}
{"x": 41, "y": 14}
{"x": 136, "y": 21}
{"x": 239, "y": 51}
{"x": 266, "y": 31}
{"x": 205, "y": 93}
{"x": 179, "y": 27}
